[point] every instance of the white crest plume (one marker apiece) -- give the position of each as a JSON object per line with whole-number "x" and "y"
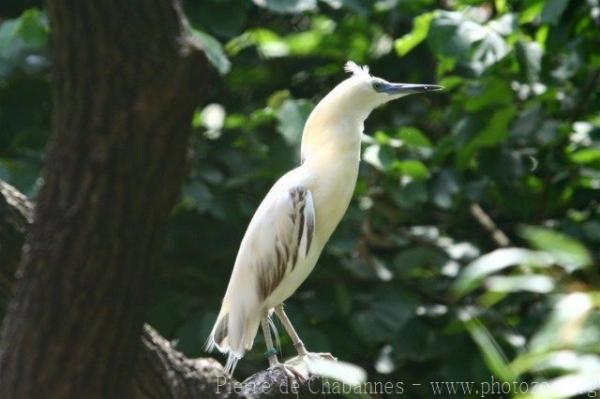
{"x": 356, "y": 70}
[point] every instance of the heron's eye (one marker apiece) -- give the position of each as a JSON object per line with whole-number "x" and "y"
{"x": 378, "y": 85}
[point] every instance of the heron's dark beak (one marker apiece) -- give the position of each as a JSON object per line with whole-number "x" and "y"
{"x": 409, "y": 88}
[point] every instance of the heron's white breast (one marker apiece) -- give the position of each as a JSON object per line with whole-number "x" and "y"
{"x": 332, "y": 185}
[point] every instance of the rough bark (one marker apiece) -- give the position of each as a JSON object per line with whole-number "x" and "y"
{"x": 160, "y": 372}
{"x": 126, "y": 79}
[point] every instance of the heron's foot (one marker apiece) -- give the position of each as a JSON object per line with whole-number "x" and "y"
{"x": 308, "y": 356}
{"x": 292, "y": 371}
{"x": 321, "y": 355}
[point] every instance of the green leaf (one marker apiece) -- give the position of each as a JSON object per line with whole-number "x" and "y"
{"x": 505, "y": 25}
{"x": 492, "y": 352}
{"x": 495, "y": 133}
{"x": 445, "y": 187}
{"x": 450, "y": 82}
{"x": 291, "y": 117}
{"x": 562, "y": 328}
{"x": 553, "y": 10}
{"x": 566, "y": 251}
{"x": 197, "y": 118}
{"x": 384, "y": 318}
{"x": 362, "y": 7}
{"x": 276, "y": 99}
{"x": 418, "y": 341}
{"x": 33, "y": 28}
{"x": 270, "y": 45}
{"x": 586, "y": 156}
{"x": 413, "y": 137}
{"x": 417, "y": 259}
{"x": 529, "y": 55}
{"x": 305, "y": 43}
{"x": 412, "y": 168}
{"x": 533, "y": 283}
{"x": 409, "y": 194}
{"x": 221, "y": 18}
{"x": 530, "y": 12}
{"x": 452, "y": 35}
{"x": 491, "y": 49}
{"x": 418, "y": 33}
{"x": 488, "y": 93}
{"x": 569, "y": 65}
{"x": 24, "y": 43}
{"x": 477, "y": 46}
{"x": 200, "y": 194}
{"x": 497, "y": 129}
{"x": 287, "y": 6}
{"x": 582, "y": 384}
{"x": 493, "y": 262}
{"x": 500, "y": 5}
{"x": 214, "y": 51}
{"x": 378, "y": 156}
{"x": 526, "y": 123}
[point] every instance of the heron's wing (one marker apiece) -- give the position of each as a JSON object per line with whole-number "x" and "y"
{"x": 280, "y": 236}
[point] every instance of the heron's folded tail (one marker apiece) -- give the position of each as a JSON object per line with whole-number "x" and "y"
{"x": 232, "y": 361}
{"x": 219, "y": 335}
{"x": 232, "y": 336}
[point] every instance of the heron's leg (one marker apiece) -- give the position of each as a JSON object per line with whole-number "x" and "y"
{"x": 298, "y": 344}
{"x": 271, "y": 352}
{"x": 290, "y": 371}
{"x": 287, "y": 324}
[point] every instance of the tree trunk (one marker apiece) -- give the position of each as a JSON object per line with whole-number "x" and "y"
{"x": 126, "y": 81}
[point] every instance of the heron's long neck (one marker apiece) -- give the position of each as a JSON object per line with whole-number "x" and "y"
{"x": 333, "y": 131}
{"x": 332, "y": 143}
{"x": 331, "y": 154}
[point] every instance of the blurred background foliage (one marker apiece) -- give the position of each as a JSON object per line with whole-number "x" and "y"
{"x": 470, "y": 249}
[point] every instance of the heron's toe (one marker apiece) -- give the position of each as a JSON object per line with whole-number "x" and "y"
{"x": 324, "y": 355}
{"x": 318, "y": 355}
{"x": 293, "y": 372}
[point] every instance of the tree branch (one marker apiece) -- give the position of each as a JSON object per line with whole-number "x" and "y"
{"x": 498, "y": 236}
{"x": 162, "y": 372}
{"x": 16, "y": 213}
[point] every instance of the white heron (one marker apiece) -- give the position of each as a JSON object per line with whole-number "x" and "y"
{"x": 298, "y": 215}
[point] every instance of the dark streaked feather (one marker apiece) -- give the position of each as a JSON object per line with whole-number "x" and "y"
{"x": 310, "y": 229}
{"x": 286, "y": 248}
{"x": 221, "y": 330}
{"x": 300, "y": 232}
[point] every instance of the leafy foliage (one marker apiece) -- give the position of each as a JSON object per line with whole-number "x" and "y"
{"x": 470, "y": 250}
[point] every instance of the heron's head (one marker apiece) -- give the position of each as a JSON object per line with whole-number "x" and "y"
{"x": 369, "y": 92}
{"x": 338, "y": 118}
